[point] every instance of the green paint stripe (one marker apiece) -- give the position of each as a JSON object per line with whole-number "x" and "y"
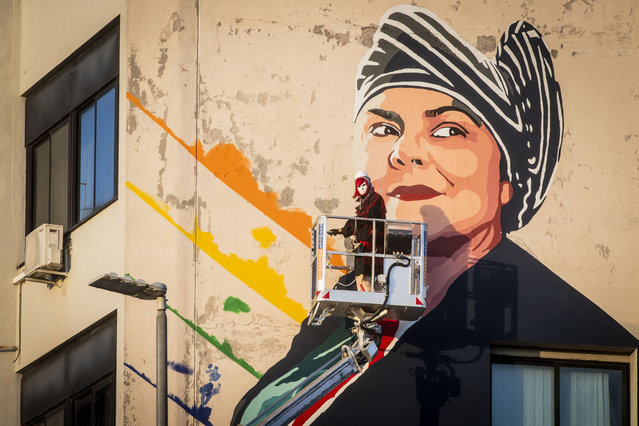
{"x": 224, "y": 347}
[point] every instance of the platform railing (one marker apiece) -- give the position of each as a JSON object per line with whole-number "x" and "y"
{"x": 327, "y": 255}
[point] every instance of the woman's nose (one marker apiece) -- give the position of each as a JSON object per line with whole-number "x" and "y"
{"x": 408, "y": 151}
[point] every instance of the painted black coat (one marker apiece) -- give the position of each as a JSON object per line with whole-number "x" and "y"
{"x": 438, "y": 373}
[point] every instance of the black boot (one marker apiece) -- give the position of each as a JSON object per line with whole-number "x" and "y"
{"x": 347, "y": 282}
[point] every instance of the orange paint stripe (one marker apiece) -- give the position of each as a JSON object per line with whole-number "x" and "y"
{"x": 159, "y": 121}
{"x": 230, "y": 165}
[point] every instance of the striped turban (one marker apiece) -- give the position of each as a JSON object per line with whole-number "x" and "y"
{"x": 515, "y": 95}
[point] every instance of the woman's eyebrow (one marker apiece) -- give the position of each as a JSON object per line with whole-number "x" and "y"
{"x": 389, "y": 115}
{"x": 435, "y": 112}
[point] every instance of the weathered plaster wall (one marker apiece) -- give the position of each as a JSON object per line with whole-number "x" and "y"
{"x": 161, "y": 57}
{"x": 230, "y": 102}
{"x": 12, "y": 160}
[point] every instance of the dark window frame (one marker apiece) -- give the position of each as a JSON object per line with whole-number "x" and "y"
{"x": 67, "y": 405}
{"x": 31, "y": 160}
{"x": 556, "y": 364}
{"x": 88, "y": 73}
{"x": 43, "y": 417}
{"x": 73, "y": 121}
{"x": 91, "y": 390}
{"x": 69, "y": 370}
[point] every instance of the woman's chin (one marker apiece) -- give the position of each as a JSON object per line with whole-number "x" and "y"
{"x": 404, "y": 210}
{"x": 415, "y": 211}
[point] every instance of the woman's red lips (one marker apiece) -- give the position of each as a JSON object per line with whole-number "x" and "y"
{"x": 413, "y": 193}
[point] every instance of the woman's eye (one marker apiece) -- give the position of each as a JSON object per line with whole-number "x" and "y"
{"x": 383, "y": 129}
{"x": 449, "y": 131}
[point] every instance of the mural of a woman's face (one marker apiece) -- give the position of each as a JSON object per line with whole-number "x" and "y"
{"x": 432, "y": 162}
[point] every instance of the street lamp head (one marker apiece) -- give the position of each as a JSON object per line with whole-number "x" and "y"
{"x": 129, "y": 287}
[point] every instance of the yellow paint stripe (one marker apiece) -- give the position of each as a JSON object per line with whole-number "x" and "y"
{"x": 257, "y": 274}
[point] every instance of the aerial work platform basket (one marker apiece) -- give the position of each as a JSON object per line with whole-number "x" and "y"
{"x": 393, "y": 284}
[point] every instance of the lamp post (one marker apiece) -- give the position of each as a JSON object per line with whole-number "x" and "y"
{"x": 141, "y": 290}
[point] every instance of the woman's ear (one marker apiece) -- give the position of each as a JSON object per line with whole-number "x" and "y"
{"x": 505, "y": 192}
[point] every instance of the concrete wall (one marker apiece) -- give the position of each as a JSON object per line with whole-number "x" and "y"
{"x": 241, "y": 114}
{"x": 235, "y": 133}
{"x": 12, "y": 166}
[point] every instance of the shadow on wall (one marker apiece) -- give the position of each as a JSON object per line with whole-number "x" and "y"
{"x": 490, "y": 299}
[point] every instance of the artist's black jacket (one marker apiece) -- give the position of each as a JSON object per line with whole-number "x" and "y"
{"x": 371, "y": 207}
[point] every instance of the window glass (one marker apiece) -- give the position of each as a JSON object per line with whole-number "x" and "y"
{"x": 82, "y": 410}
{"x": 103, "y": 405}
{"x": 60, "y": 176}
{"x": 41, "y": 183}
{"x": 56, "y": 418}
{"x": 590, "y": 397}
{"x": 87, "y": 162}
{"x": 105, "y": 149}
{"x": 522, "y": 395}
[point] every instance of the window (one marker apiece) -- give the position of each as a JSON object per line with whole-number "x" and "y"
{"x": 53, "y": 418}
{"x": 93, "y": 406}
{"x": 75, "y": 383}
{"x": 559, "y": 388}
{"x": 71, "y": 135}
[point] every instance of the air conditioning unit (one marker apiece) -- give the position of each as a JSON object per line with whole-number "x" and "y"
{"x": 43, "y": 251}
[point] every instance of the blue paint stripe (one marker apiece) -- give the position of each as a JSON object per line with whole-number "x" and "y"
{"x": 180, "y": 368}
{"x": 200, "y": 413}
